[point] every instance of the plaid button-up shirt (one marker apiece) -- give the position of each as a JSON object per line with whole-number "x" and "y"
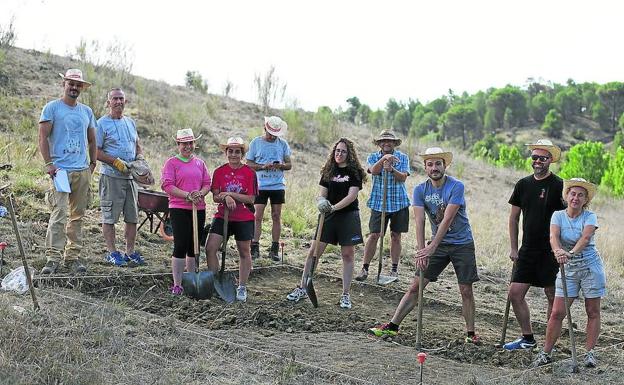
{"x": 397, "y": 194}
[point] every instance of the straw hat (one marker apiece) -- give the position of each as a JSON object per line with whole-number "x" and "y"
{"x": 437, "y": 153}
{"x": 275, "y": 125}
{"x": 235, "y": 141}
{"x": 579, "y": 182}
{"x": 75, "y": 75}
{"x": 186, "y": 135}
{"x": 547, "y": 145}
{"x": 387, "y": 135}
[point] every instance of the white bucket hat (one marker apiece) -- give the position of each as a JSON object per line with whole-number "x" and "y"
{"x": 275, "y": 125}
{"x": 186, "y": 135}
{"x": 579, "y": 182}
{"x": 75, "y": 75}
{"x": 546, "y": 145}
{"x": 437, "y": 153}
{"x": 235, "y": 141}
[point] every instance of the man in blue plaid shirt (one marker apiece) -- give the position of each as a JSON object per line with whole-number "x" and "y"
{"x": 393, "y": 165}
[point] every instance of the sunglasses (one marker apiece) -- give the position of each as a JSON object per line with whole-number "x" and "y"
{"x": 541, "y": 158}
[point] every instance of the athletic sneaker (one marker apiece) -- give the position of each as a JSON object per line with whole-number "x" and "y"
{"x": 50, "y": 267}
{"x": 520, "y": 343}
{"x": 542, "y": 358}
{"x": 177, "y": 290}
{"x": 383, "y": 330}
{"x": 115, "y": 258}
{"x": 345, "y": 301}
{"x": 76, "y": 267}
{"x": 135, "y": 258}
{"x": 362, "y": 276}
{"x": 590, "y": 359}
{"x": 474, "y": 339}
{"x": 394, "y": 274}
{"x": 241, "y": 293}
{"x": 297, "y": 294}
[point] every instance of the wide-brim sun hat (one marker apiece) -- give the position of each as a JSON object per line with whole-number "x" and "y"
{"x": 275, "y": 125}
{"x": 76, "y": 75}
{"x": 234, "y": 142}
{"x": 547, "y": 145}
{"x": 579, "y": 182}
{"x": 186, "y": 135}
{"x": 437, "y": 153}
{"x": 387, "y": 135}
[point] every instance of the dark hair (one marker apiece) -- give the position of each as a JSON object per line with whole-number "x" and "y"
{"x": 331, "y": 167}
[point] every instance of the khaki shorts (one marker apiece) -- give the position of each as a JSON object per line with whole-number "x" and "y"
{"x": 116, "y": 196}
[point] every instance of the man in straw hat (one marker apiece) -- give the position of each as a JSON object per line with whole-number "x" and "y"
{"x": 118, "y": 145}
{"x": 392, "y": 165}
{"x": 269, "y": 155}
{"x": 536, "y": 196}
{"x": 441, "y": 197}
{"x": 67, "y": 145}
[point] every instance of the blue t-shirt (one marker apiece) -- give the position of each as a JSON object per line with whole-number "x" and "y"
{"x": 263, "y": 152}
{"x": 397, "y": 193}
{"x": 68, "y": 138}
{"x": 571, "y": 230}
{"x": 117, "y": 138}
{"x": 435, "y": 200}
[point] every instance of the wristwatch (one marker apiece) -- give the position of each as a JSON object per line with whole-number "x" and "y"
{"x": 572, "y": 253}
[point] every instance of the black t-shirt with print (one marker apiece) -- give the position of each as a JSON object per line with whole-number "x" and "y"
{"x": 538, "y": 200}
{"x": 338, "y": 187}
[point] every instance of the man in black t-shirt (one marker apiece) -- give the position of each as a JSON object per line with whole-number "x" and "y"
{"x": 536, "y": 196}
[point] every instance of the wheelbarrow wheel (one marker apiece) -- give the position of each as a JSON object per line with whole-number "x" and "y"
{"x": 165, "y": 230}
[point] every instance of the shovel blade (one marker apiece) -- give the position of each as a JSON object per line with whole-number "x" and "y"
{"x": 386, "y": 279}
{"x": 189, "y": 284}
{"x": 311, "y": 292}
{"x": 198, "y": 285}
{"x": 225, "y": 287}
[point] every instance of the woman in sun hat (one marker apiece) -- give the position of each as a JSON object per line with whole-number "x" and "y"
{"x": 572, "y": 239}
{"x": 234, "y": 185}
{"x": 341, "y": 181}
{"x": 186, "y": 180}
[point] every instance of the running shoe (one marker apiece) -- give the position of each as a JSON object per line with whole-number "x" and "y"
{"x": 590, "y": 359}
{"x": 345, "y": 301}
{"x": 115, "y": 258}
{"x": 474, "y": 339}
{"x": 241, "y": 293}
{"x": 542, "y": 358}
{"x": 383, "y": 330}
{"x": 362, "y": 276}
{"x": 177, "y": 290}
{"x": 520, "y": 343}
{"x": 297, "y": 294}
{"x": 135, "y": 258}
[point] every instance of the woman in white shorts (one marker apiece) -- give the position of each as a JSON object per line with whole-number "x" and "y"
{"x": 572, "y": 240}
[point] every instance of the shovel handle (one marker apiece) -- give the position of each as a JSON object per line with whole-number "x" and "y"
{"x": 564, "y": 285}
{"x": 317, "y": 243}
{"x": 421, "y": 286}
{"x": 382, "y": 232}
{"x": 225, "y": 238}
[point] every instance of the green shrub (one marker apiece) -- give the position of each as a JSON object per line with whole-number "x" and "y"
{"x": 296, "y": 130}
{"x": 553, "y": 125}
{"x": 587, "y": 160}
{"x": 614, "y": 175}
{"x": 510, "y": 156}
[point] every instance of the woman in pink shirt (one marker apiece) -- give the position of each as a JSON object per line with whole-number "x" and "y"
{"x": 186, "y": 180}
{"x": 235, "y": 186}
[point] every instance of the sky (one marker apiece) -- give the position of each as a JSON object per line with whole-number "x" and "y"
{"x": 329, "y": 50}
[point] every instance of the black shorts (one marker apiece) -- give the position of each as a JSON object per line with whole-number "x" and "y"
{"x": 461, "y": 256}
{"x": 399, "y": 221}
{"x": 242, "y": 231}
{"x": 277, "y": 197}
{"x": 536, "y": 267}
{"x": 182, "y": 226}
{"x": 343, "y": 228}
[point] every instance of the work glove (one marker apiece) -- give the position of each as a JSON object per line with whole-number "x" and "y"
{"x": 324, "y": 206}
{"x": 120, "y": 165}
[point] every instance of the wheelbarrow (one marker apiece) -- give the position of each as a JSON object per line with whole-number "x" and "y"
{"x": 197, "y": 284}
{"x": 153, "y": 204}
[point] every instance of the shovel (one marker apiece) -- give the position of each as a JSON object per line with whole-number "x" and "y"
{"x": 575, "y": 368}
{"x": 421, "y": 287}
{"x": 224, "y": 283}
{"x": 501, "y": 342}
{"x": 309, "y": 285}
{"x": 383, "y": 279}
{"x": 197, "y": 285}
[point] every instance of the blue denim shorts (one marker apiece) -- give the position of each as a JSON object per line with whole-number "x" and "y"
{"x": 590, "y": 279}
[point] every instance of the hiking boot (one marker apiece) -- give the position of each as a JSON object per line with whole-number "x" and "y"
{"x": 473, "y": 339}
{"x": 520, "y": 343}
{"x": 590, "y": 359}
{"x": 241, "y": 293}
{"x": 297, "y": 294}
{"x": 255, "y": 250}
{"x": 176, "y": 290}
{"x": 383, "y": 330}
{"x": 50, "y": 267}
{"x": 362, "y": 276}
{"x": 135, "y": 258}
{"x": 76, "y": 267}
{"x": 345, "y": 301}
{"x": 274, "y": 255}
{"x": 542, "y": 358}
{"x": 116, "y": 259}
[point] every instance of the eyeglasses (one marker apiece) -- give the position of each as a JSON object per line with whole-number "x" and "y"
{"x": 341, "y": 151}
{"x": 542, "y": 158}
